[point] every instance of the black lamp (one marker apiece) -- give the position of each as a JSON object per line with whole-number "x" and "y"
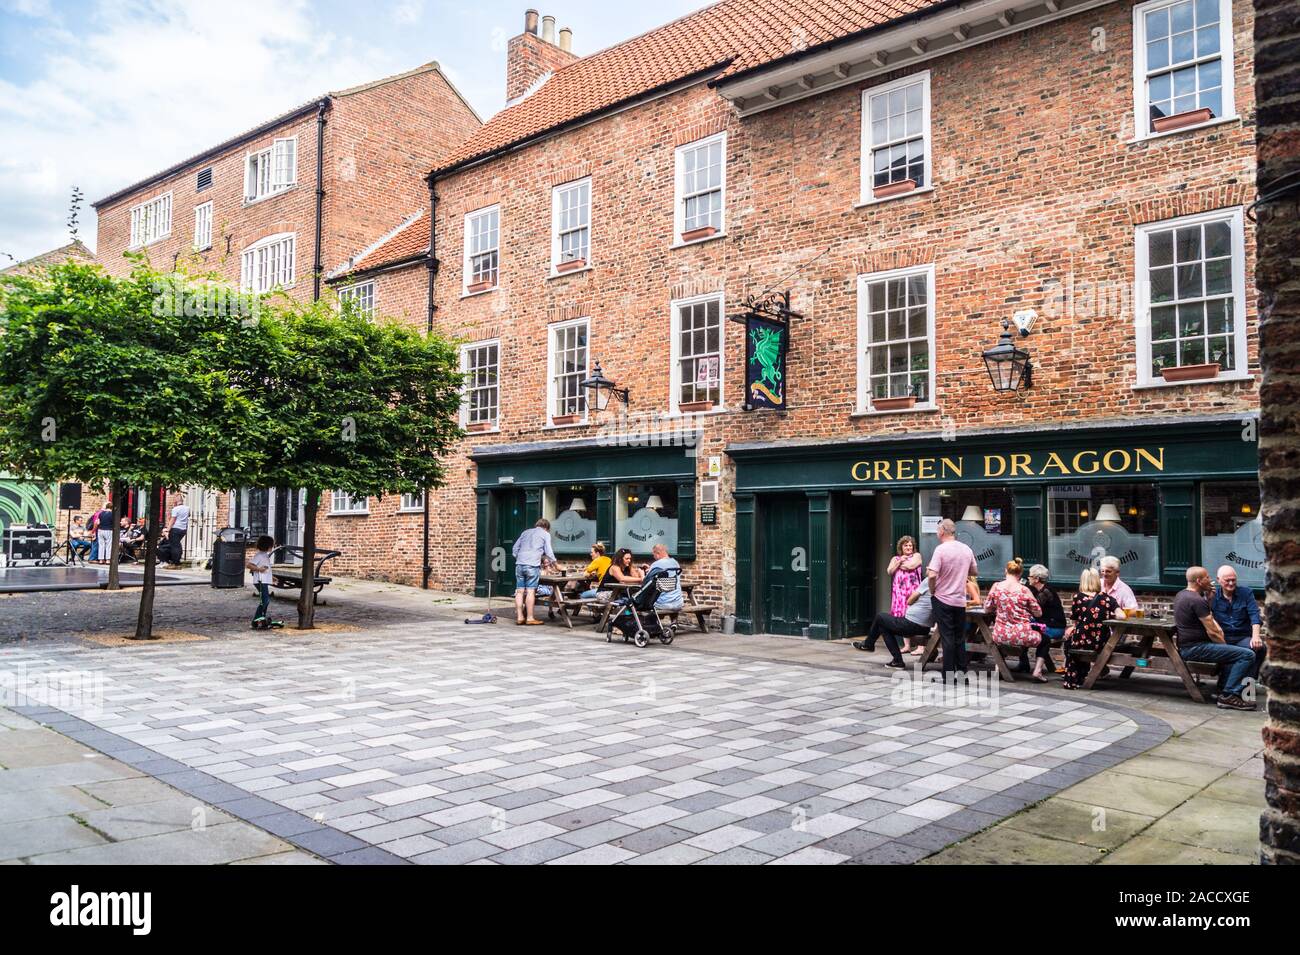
{"x": 1009, "y": 367}
{"x": 602, "y": 388}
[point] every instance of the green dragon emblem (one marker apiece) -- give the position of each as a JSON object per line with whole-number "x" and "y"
{"x": 767, "y": 353}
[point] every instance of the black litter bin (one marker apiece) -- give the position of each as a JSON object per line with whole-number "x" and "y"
{"x": 228, "y": 558}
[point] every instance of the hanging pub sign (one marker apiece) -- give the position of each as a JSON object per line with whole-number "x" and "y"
{"x": 767, "y": 340}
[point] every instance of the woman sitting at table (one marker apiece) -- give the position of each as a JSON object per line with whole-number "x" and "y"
{"x": 1015, "y": 607}
{"x": 1087, "y": 631}
{"x": 597, "y": 571}
{"x": 624, "y": 570}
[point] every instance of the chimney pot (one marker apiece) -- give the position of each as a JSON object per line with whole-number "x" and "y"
{"x": 548, "y": 30}
{"x": 530, "y": 22}
{"x": 566, "y": 39}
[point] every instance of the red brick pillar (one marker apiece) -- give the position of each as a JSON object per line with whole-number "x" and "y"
{"x": 1277, "y": 92}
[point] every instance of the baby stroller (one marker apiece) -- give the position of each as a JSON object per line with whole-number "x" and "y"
{"x": 634, "y": 616}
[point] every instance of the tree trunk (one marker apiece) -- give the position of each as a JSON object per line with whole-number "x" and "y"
{"x": 116, "y": 492}
{"x": 144, "y": 620}
{"x": 1277, "y": 36}
{"x": 307, "y": 599}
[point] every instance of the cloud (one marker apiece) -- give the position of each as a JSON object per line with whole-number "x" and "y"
{"x": 407, "y": 12}
{"x": 144, "y": 84}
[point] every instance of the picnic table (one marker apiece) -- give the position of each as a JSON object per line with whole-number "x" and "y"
{"x": 566, "y": 607}
{"x": 980, "y": 640}
{"x": 1146, "y": 644}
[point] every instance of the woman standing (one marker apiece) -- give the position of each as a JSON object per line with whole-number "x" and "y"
{"x": 1087, "y": 631}
{"x": 904, "y": 577}
{"x": 1015, "y": 607}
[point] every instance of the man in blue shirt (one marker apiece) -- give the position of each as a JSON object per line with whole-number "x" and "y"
{"x": 672, "y": 599}
{"x": 532, "y": 551}
{"x": 1238, "y": 614}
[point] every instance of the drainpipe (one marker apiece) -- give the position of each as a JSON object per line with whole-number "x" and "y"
{"x": 319, "y": 267}
{"x": 432, "y": 264}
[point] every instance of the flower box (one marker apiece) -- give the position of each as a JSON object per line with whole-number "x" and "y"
{"x": 572, "y": 265}
{"x": 479, "y": 287}
{"x": 1190, "y": 372}
{"x": 566, "y": 419}
{"x": 689, "y": 407}
{"x": 480, "y": 426}
{"x": 1163, "y": 124}
{"x": 894, "y": 189}
{"x": 701, "y": 233}
{"x": 894, "y": 404}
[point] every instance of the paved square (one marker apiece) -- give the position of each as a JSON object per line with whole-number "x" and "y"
{"x": 440, "y": 743}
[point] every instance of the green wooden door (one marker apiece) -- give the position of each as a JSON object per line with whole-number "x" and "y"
{"x": 857, "y": 577}
{"x": 784, "y": 586}
{"x": 510, "y": 522}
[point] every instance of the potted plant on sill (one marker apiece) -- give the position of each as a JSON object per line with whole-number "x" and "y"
{"x": 1193, "y": 117}
{"x": 479, "y": 287}
{"x": 890, "y": 189}
{"x": 693, "y": 407}
{"x": 479, "y": 426}
{"x": 570, "y": 265}
{"x": 566, "y": 419}
{"x": 896, "y": 403}
{"x": 703, "y": 232}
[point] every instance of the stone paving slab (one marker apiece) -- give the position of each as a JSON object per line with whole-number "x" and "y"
{"x": 431, "y": 744}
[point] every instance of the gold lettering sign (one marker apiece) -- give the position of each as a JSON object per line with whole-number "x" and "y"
{"x": 1019, "y": 464}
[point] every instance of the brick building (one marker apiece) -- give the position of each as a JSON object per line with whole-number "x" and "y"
{"x": 912, "y": 174}
{"x": 279, "y": 206}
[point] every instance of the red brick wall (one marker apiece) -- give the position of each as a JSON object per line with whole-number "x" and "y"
{"x": 527, "y": 58}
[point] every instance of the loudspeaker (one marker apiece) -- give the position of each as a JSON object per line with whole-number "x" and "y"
{"x": 69, "y": 497}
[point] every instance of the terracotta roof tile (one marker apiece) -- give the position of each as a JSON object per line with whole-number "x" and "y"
{"x": 409, "y": 239}
{"x": 733, "y": 36}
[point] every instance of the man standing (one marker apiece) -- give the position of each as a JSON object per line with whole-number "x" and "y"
{"x": 1113, "y": 587}
{"x": 176, "y": 528}
{"x": 1237, "y": 613}
{"x": 104, "y": 533}
{"x": 1201, "y": 638}
{"x": 532, "y": 550}
{"x": 951, "y": 564}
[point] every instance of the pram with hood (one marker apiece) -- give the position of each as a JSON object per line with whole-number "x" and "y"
{"x": 634, "y": 616}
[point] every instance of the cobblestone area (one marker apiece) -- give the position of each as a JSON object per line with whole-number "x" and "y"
{"x": 434, "y": 742}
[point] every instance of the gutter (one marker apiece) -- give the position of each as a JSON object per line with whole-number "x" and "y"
{"x": 319, "y": 268}
{"x": 432, "y": 263}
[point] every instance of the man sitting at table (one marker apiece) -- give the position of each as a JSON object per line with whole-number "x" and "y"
{"x": 915, "y": 623}
{"x": 1237, "y": 613}
{"x": 665, "y": 566}
{"x": 1200, "y": 638}
{"x": 1113, "y": 587}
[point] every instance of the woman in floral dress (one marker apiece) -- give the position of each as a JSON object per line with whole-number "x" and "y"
{"x": 905, "y": 576}
{"x": 1087, "y": 631}
{"x": 1015, "y": 606}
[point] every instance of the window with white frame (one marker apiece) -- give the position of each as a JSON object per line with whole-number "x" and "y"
{"x": 701, "y": 188}
{"x": 1182, "y": 63}
{"x": 1191, "y": 294}
{"x": 268, "y": 263}
{"x": 482, "y": 249}
{"x": 896, "y": 336}
{"x": 152, "y": 220}
{"x": 341, "y": 502}
{"x": 481, "y": 363}
{"x": 568, "y": 367}
{"x": 203, "y": 226}
{"x": 571, "y": 224}
{"x": 271, "y": 170}
{"x": 412, "y": 502}
{"x": 697, "y": 352}
{"x": 896, "y": 136}
{"x": 362, "y": 297}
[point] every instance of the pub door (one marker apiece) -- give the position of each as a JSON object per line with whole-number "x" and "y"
{"x": 856, "y": 583}
{"x": 784, "y": 588}
{"x": 509, "y": 525}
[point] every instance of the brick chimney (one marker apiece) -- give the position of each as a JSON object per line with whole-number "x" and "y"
{"x": 529, "y": 56}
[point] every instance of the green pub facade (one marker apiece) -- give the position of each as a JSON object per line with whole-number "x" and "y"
{"x": 816, "y": 524}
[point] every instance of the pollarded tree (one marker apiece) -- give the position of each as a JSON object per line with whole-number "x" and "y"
{"x": 365, "y": 406}
{"x": 151, "y": 380}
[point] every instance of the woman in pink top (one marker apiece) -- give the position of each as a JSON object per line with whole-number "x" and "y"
{"x": 905, "y": 576}
{"x": 1015, "y": 605}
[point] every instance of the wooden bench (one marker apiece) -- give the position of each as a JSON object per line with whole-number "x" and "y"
{"x": 699, "y": 611}
{"x": 289, "y": 576}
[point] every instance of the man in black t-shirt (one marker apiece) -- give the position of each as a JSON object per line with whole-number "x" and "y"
{"x": 104, "y": 532}
{"x": 1201, "y": 638}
